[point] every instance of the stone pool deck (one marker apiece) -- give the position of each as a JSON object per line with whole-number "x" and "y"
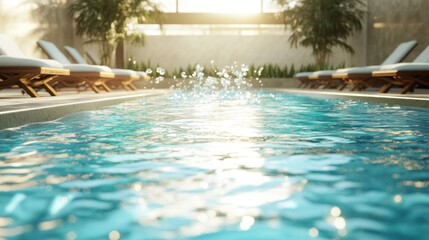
{"x": 17, "y": 109}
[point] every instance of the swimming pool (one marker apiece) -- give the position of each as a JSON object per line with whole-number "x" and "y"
{"x": 225, "y": 165}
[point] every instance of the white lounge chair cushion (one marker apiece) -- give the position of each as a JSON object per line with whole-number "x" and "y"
{"x": 323, "y": 73}
{"x": 303, "y": 74}
{"x": 53, "y": 52}
{"x": 397, "y": 55}
{"x": 359, "y": 70}
{"x": 75, "y": 55}
{"x": 123, "y": 72}
{"x": 423, "y": 57}
{"x": 407, "y": 67}
{"x": 400, "y": 52}
{"x": 86, "y": 68}
{"x": 8, "y": 61}
{"x": 9, "y": 48}
{"x": 81, "y": 60}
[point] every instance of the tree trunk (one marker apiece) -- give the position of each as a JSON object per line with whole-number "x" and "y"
{"x": 106, "y": 53}
{"x": 321, "y": 59}
{"x": 120, "y": 55}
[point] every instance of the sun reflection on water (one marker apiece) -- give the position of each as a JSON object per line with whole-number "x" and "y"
{"x": 193, "y": 165}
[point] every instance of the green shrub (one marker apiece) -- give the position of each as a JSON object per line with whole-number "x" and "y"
{"x": 268, "y": 70}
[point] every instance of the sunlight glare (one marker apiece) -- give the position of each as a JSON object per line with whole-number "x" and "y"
{"x": 221, "y": 6}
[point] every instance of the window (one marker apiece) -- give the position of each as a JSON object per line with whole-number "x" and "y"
{"x": 216, "y": 17}
{"x": 218, "y": 6}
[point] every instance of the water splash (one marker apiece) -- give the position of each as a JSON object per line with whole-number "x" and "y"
{"x": 160, "y": 72}
{"x": 214, "y": 80}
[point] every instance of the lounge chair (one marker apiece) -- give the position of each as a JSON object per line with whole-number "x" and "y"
{"x": 78, "y": 58}
{"x": 27, "y": 73}
{"x": 363, "y": 77}
{"x": 406, "y": 75}
{"x": 93, "y": 58}
{"x": 327, "y": 77}
{"x": 92, "y": 75}
{"x": 96, "y": 61}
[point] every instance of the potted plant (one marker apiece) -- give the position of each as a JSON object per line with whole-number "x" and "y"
{"x": 322, "y": 24}
{"x": 110, "y": 23}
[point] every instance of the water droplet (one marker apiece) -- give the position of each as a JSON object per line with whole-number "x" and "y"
{"x": 340, "y": 223}
{"x": 335, "y": 211}
{"x": 397, "y": 198}
{"x": 313, "y": 232}
{"x": 160, "y": 71}
{"x": 159, "y": 79}
{"x": 246, "y": 223}
{"x": 71, "y": 235}
{"x": 148, "y": 71}
{"x": 114, "y": 235}
{"x": 183, "y": 75}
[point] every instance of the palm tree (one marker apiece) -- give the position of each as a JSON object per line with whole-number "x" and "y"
{"x": 109, "y": 23}
{"x": 322, "y": 24}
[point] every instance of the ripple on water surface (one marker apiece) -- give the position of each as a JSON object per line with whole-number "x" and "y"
{"x": 245, "y": 165}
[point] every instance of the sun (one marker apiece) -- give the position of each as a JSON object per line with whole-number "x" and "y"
{"x": 236, "y": 6}
{"x": 221, "y": 6}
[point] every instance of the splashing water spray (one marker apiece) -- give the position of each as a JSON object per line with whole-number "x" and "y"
{"x": 220, "y": 80}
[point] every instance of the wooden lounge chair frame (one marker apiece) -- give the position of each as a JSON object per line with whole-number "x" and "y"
{"x": 407, "y": 79}
{"x": 93, "y": 80}
{"x": 358, "y": 81}
{"x": 120, "y": 80}
{"x": 355, "y": 81}
{"x": 29, "y": 78}
{"x": 387, "y": 78}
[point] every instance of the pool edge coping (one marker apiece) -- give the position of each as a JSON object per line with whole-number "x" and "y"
{"x": 370, "y": 98}
{"x": 23, "y": 116}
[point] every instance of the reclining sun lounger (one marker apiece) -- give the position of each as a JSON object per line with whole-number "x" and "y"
{"x": 93, "y": 58}
{"x": 94, "y": 76}
{"x": 127, "y": 84}
{"x": 27, "y": 73}
{"x": 327, "y": 77}
{"x": 362, "y": 77}
{"x": 406, "y": 75}
{"x": 122, "y": 78}
{"x": 96, "y": 61}
{"x": 78, "y": 75}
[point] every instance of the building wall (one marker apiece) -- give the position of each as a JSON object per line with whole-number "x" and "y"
{"x": 27, "y": 21}
{"x": 172, "y": 52}
{"x": 388, "y": 23}
{"x": 391, "y": 22}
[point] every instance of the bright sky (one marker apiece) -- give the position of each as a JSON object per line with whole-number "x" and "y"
{"x": 218, "y": 6}
{"x": 221, "y": 6}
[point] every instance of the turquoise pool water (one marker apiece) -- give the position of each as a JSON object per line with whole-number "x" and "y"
{"x": 234, "y": 165}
